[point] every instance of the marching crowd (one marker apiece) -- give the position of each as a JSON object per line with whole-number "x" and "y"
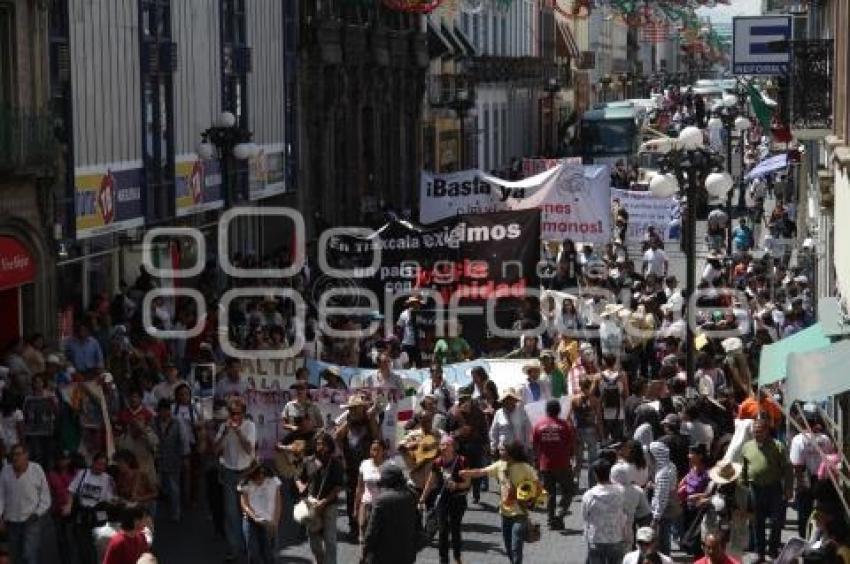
{"x": 106, "y": 436}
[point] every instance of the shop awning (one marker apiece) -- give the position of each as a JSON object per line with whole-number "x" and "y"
{"x": 816, "y": 375}
{"x": 466, "y": 45}
{"x": 774, "y": 358}
{"x": 446, "y": 32}
{"x": 17, "y": 266}
{"x": 437, "y": 44}
{"x": 768, "y": 165}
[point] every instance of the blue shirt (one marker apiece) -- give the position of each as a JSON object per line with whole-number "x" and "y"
{"x": 534, "y": 387}
{"x": 84, "y": 355}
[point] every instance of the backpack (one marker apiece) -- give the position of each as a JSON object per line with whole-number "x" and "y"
{"x": 609, "y": 390}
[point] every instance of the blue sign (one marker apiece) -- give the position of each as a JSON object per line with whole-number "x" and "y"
{"x": 761, "y": 45}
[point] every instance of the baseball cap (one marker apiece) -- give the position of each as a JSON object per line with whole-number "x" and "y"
{"x": 645, "y": 534}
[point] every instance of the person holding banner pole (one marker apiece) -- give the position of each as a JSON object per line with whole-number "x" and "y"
{"x": 358, "y": 430}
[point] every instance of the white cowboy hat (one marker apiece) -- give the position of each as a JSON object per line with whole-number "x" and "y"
{"x": 725, "y": 472}
{"x": 509, "y": 393}
{"x": 732, "y": 344}
{"x": 612, "y": 309}
{"x": 533, "y": 364}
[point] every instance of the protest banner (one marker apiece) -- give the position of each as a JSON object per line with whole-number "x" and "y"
{"x": 531, "y": 166}
{"x": 644, "y": 210}
{"x": 574, "y": 200}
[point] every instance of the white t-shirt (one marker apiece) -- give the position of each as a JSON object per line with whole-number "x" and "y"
{"x": 165, "y": 390}
{"x": 93, "y": 488}
{"x": 711, "y": 274}
{"x": 370, "y": 474}
{"x": 9, "y": 428}
{"x": 405, "y": 321}
{"x": 233, "y": 456}
{"x": 803, "y": 451}
{"x": 634, "y": 556}
{"x": 654, "y": 260}
{"x": 262, "y": 497}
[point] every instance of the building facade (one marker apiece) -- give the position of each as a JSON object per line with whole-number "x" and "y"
{"x": 28, "y": 169}
{"x": 134, "y": 84}
{"x": 361, "y": 69}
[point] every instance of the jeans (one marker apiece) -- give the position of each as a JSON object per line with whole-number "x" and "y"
{"x": 62, "y": 526}
{"x": 232, "y": 512}
{"x": 25, "y": 540}
{"x": 323, "y": 541}
{"x": 609, "y": 553}
{"x": 449, "y": 519}
{"x": 805, "y": 503}
{"x": 553, "y": 480}
{"x": 513, "y": 534}
{"x": 587, "y": 438}
{"x": 169, "y": 482}
{"x": 259, "y": 542}
{"x": 613, "y": 430}
{"x": 769, "y": 503}
{"x": 664, "y": 535}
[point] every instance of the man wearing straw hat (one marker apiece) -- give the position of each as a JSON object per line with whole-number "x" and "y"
{"x": 510, "y": 422}
{"x": 534, "y": 389}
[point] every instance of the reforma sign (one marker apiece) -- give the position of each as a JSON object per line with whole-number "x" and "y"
{"x": 761, "y": 45}
{"x": 573, "y": 199}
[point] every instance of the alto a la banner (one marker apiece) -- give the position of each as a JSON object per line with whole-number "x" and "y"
{"x": 468, "y": 257}
{"x": 646, "y": 210}
{"x": 574, "y": 200}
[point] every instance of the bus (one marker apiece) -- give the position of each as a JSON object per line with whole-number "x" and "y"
{"x": 609, "y": 133}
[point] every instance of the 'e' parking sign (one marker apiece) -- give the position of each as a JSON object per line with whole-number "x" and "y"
{"x": 761, "y": 45}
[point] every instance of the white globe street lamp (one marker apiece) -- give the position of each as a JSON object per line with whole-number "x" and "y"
{"x": 718, "y": 184}
{"x": 742, "y": 124}
{"x": 730, "y": 100}
{"x": 690, "y": 138}
{"x": 226, "y": 119}
{"x": 242, "y": 151}
{"x": 205, "y": 151}
{"x": 663, "y": 185}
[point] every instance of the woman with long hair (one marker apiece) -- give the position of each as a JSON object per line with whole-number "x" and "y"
{"x": 132, "y": 484}
{"x": 512, "y": 470}
{"x": 368, "y": 477}
{"x": 631, "y": 456}
{"x": 446, "y": 478}
{"x": 692, "y": 489}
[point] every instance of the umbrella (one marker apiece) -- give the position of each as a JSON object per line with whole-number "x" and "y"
{"x": 768, "y": 165}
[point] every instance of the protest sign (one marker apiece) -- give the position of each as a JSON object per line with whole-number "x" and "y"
{"x": 646, "y": 210}
{"x": 574, "y": 200}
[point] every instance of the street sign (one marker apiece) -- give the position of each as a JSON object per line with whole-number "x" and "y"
{"x": 761, "y": 45}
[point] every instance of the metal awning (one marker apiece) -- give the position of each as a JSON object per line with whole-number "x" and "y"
{"x": 773, "y": 364}
{"x": 566, "y": 40}
{"x": 451, "y": 39}
{"x": 466, "y": 44}
{"x": 437, "y": 44}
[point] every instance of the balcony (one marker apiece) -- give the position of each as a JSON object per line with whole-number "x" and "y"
{"x": 811, "y": 88}
{"x": 529, "y": 70}
{"x": 27, "y": 143}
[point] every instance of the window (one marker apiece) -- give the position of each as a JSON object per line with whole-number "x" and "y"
{"x": 476, "y": 39}
{"x": 235, "y": 65}
{"x": 485, "y": 34}
{"x": 157, "y": 109}
{"x": 7, "y": 53}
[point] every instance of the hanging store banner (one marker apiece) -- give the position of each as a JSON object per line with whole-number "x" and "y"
{"x": 574, "y": 200}
{"x": 267, "y": 172}
{"x": 108, "y": 199}
{"x": 470, "y": 257}
{"x": 646, "y": 210}
{"x": 197, "y": 186}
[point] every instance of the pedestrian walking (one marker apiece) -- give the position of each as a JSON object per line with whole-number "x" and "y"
{"x": 512, "y": 470}
{"x": 368, "y": 477}
{"x": 647, "y": 549}
{"x": 391, "y": 536}
{"x": 450, "y": 503}
{"x": 666, "y": 507}
{"x": 173, "y": 450}
{"x": 554, "y": 444}
{"x": 603, "y": 514}
{"x": 59, "y": 478}
{"x": 235, "y": 442}
{"x": 24, "y": 503}
{"x": 588, "y": 417}
{"x": 261, "y": 507}
{"x": 322, "y": 481}
{"x": 90, "y": 490}
{"x": 130, "y": 543}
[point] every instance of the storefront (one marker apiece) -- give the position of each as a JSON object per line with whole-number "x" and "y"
{"x": 17, "y": 276}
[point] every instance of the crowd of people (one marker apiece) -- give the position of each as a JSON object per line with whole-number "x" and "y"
{"x": 106, "y": 435}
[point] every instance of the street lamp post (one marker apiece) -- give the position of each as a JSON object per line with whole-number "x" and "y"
{"x": 686, "y": 167}
{"x": 726, "y": 117}
{"x": 552, "y": 87}
{"x": 462, "y": 102}
{"x": 228, "y": 142}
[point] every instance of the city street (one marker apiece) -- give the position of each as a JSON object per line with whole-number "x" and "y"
{"x": 192, "y": 541}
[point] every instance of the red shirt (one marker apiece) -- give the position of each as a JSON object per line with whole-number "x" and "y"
{"x": 553, "y": 441}
{"x": 727, "y": 560}
{"x": 142, "y": 415}
{"x": 125, "y": 549}
{"x": 58, "y": 483}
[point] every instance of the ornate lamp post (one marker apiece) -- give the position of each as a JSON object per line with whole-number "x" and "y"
{"x": 553, "y": 86}
{"x": 462, "y": 100}
{"x": 686, "y": 168}
{"x": 230, "y": 143}
{"x": 726, "y": 117}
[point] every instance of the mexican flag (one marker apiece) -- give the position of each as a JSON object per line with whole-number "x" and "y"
{"x": 763, "y": 112}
